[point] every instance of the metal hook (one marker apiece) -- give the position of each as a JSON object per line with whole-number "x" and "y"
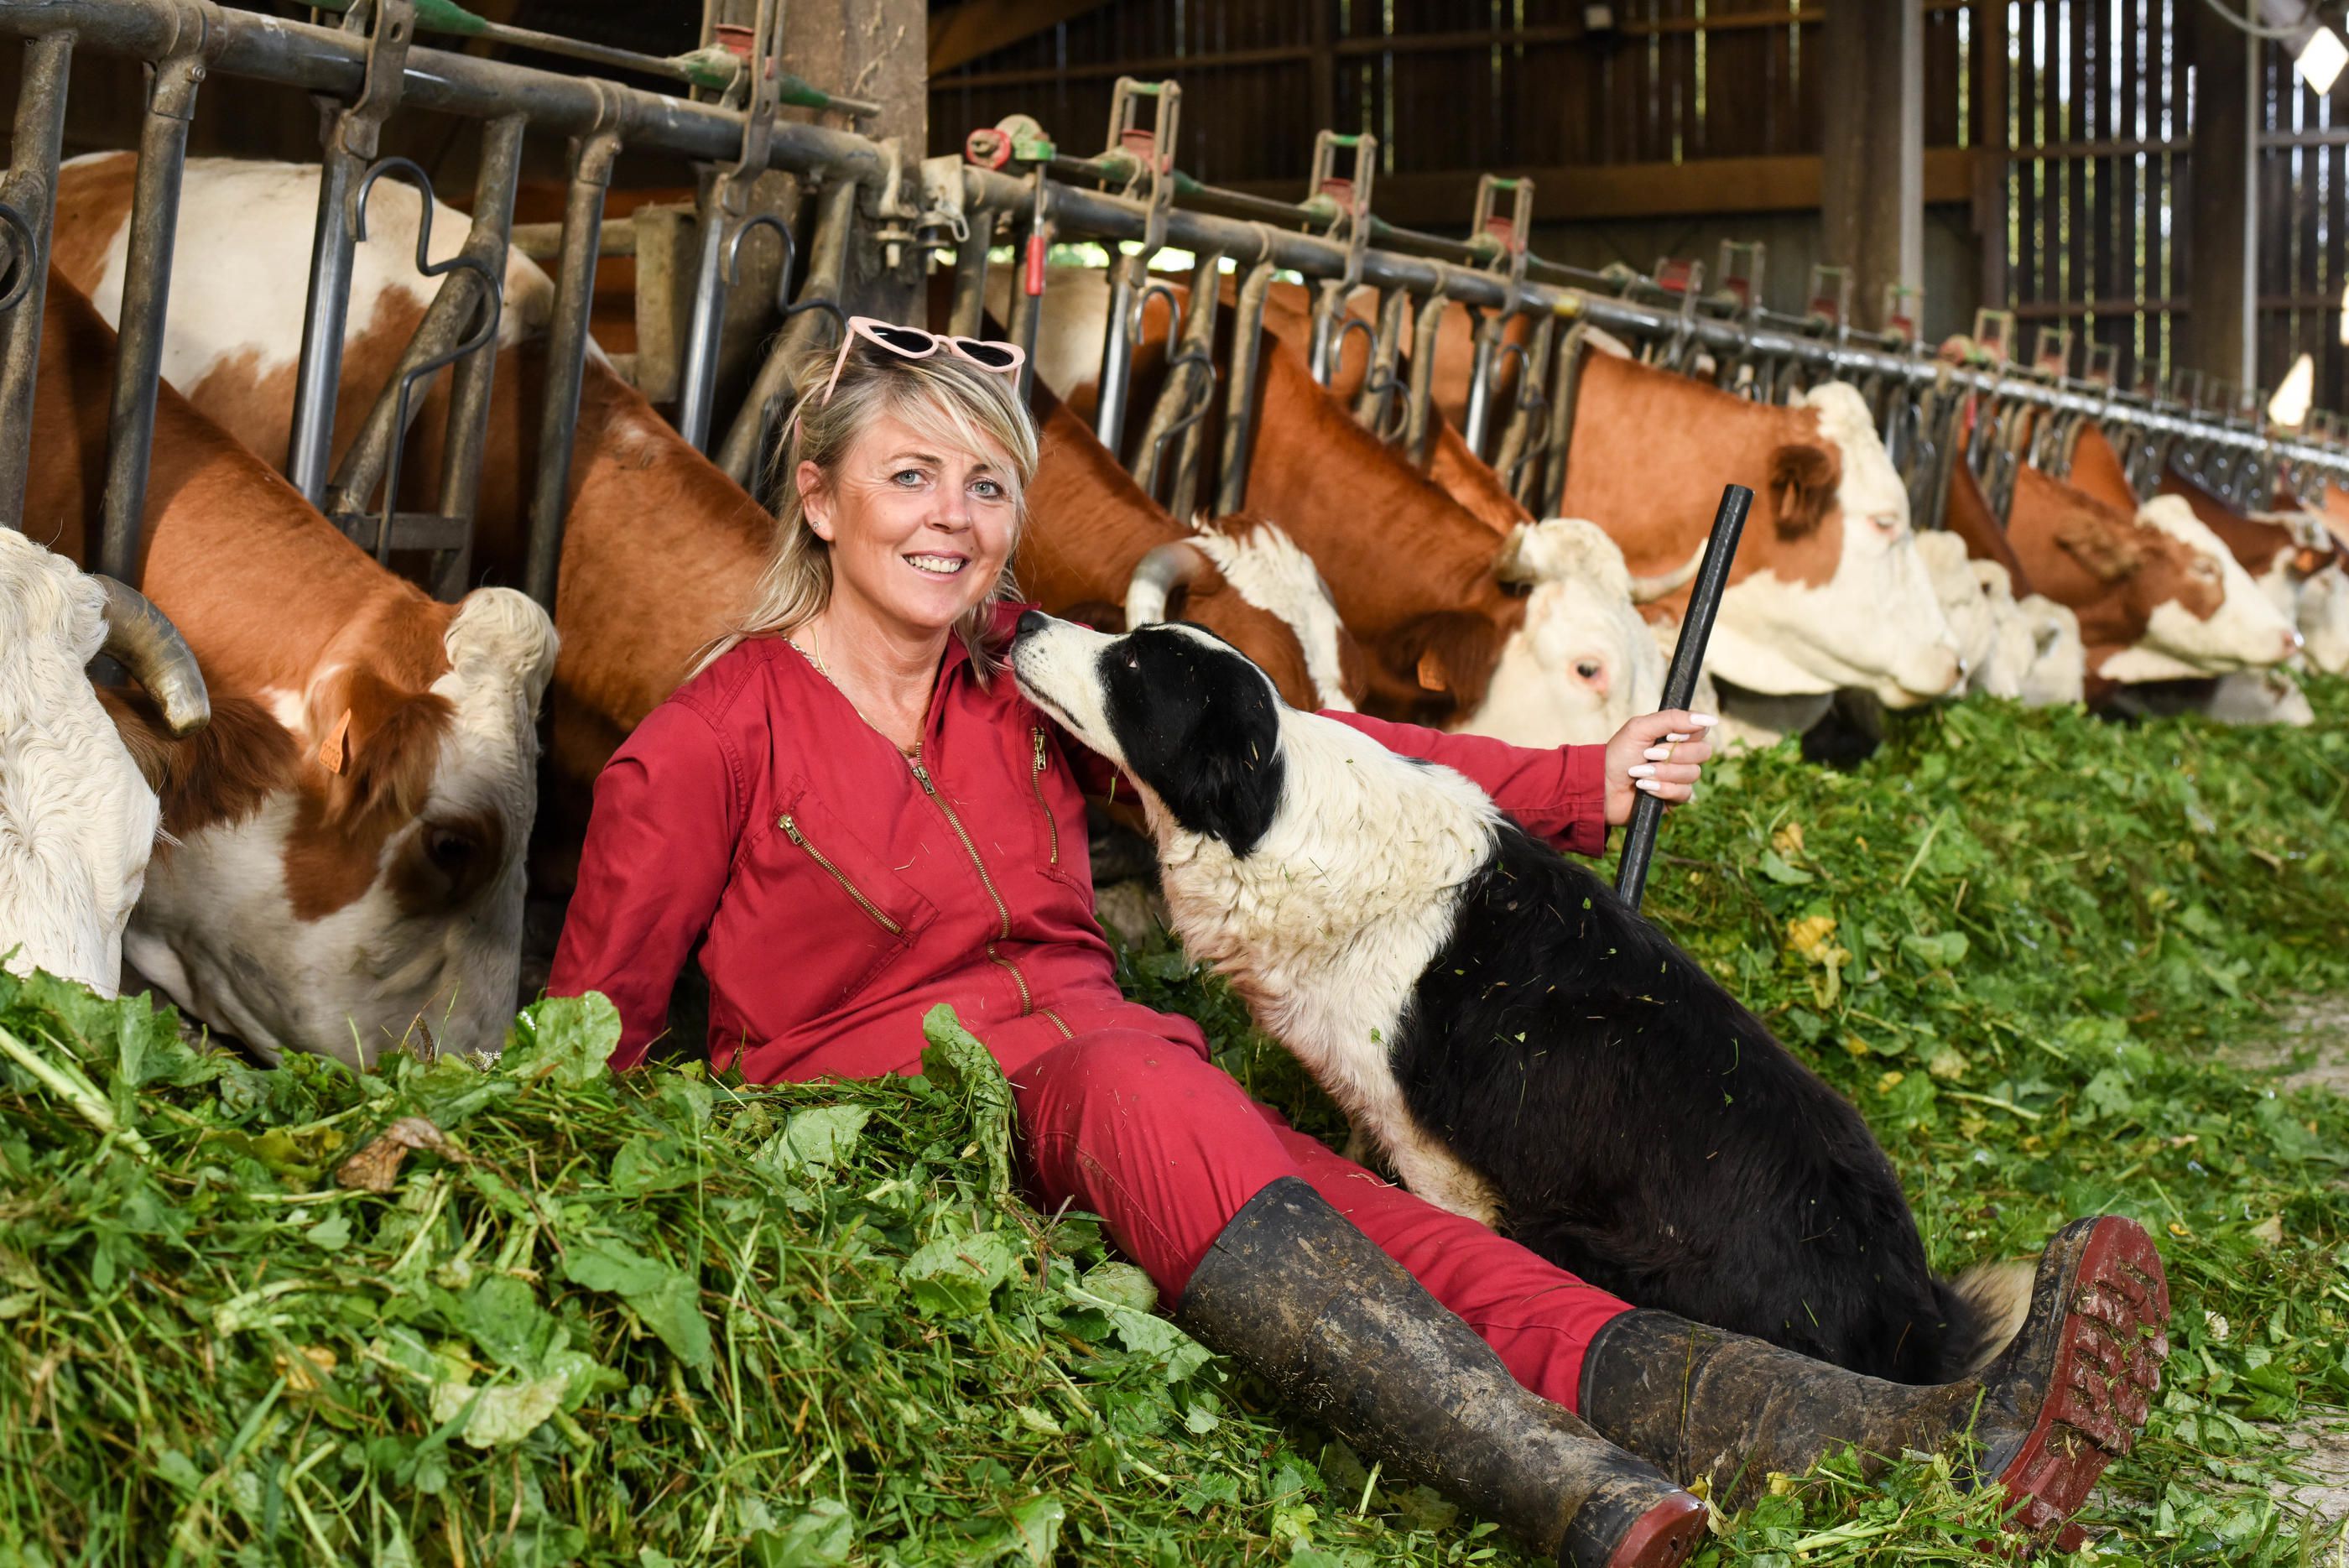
{"x": 1205, "y": 400}
{"x": 1338, "y": 349}
{"x": 791, "y": 255}
{"x": 832, "y": 307}
{"x": 21, "y": 264}
{"x": 1158, "y": 288}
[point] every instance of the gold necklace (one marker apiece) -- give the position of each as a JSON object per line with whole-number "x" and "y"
{"x": 814, "y": 653}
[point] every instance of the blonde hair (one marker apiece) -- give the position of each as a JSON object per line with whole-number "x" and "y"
{"x": 944, "y": 398}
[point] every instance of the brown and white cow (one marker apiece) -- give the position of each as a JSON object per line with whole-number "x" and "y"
{"x": 1527, "y": 633}
{"x": 1828, "y": 589}
{"x": 353, "y": 871}
{"x": 2292, "y": 559}
{"x": 2151, "y": 592}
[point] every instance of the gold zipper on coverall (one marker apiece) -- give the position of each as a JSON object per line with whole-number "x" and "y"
{"x": 1002, "y": 910}
{"x": 1036, "y": 777}
{"x": 791, "y": 830}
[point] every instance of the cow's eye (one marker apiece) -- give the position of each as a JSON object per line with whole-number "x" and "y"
{"x": 1587, "y": 669}
{"x": 448, "y": 850}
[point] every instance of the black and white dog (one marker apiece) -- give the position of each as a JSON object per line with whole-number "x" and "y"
{"x": 1521, "y": 1047}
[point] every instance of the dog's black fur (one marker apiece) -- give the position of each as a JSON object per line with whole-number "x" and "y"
{"x": 1641, "y": 1128}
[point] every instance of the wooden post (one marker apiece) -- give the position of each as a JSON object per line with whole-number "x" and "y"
{"x": 1872, "y": 184}
{"x": 1993, "y": 161}
{"x": 2221, "y": 221}
{"x": 875, "y": 49}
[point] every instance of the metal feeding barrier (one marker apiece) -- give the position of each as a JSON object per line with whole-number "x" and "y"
{"x": 1531, "y": 321}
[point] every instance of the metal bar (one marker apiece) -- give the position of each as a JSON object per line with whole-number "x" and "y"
{"x": 1190, "y": 372}
{"x": 566, "y": 361}
{"x": 1489, "y": 327}
{"x": 1028, "y": 293}
{"x": 1376, "y": 395}
{"x": 1680, "y": 681}
{"x": 827, "y": 273}
{"x": 699, "y": 385}
{"x": 1240, "y": 390}
{"x": 543, "y": 242}
{"x": 1419, "y": 408}
{"x": 470, "y": 379}
{"x": 969, "y": 311}
{"x": 1127, "y": 274}
{"x": 446, "y": 321}
{"x": 30, "y": 191}
{"x": 1519, "y": 444}
{"x": 146, "y": 291}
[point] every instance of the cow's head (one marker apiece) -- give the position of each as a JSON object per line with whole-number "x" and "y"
{"x": 2203, "y": 613}
{"x": 76, "y": 819}
{"x": 1271, "y": 571}
{"x": 2058, "y": 674}
{"x": 2323, "y": 615}
{"x": 1847, "y": 601}
{"x": 1582, "y": 661}
{"x": 1972, "y": 616}
{"x": 376, "y": 895}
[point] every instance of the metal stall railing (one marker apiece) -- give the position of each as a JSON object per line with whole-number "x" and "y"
{"x": 1010, "y": 178}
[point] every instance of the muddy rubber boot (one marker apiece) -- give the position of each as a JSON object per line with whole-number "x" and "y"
{"x": 1294, "y": 1293}
{"x": 2066, "y": 1396}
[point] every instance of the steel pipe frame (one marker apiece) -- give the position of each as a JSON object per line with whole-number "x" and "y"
{"x": 1419, "y": 407}
{"x": 827, "y": 276}
{"x": 30, "y": 188}
{"x": 146, "y": 292}
{"x": 1180, "y": 409}
{"x": 446, "y": 323}
{"x": 592, "y": 157}
{"x": 1239, "y": 390}
{"x": 320, "y": 59}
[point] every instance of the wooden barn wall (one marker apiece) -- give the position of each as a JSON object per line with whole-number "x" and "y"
{"x": 1693, "y": 121}
{"x": 2304, "y": 231}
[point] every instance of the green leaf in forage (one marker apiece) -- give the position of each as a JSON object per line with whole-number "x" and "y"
{"x": 956, "y": 1060}
{"x": 566, "y": 1038}
{"x": 956, "y": 1275}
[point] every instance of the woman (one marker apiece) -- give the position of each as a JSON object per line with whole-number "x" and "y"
{"x": 859, "y": 820}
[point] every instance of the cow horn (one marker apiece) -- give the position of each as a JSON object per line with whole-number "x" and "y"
{"x": 1646, "y": 590}
{"x": 1156, "y": 576}
{"x": 144, "y": 641}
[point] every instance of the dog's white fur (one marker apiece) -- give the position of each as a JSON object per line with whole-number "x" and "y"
{"x": 1327, "y": 924}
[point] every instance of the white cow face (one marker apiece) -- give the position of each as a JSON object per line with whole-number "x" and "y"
{"x": 2246, "y": 632}
{"x": 2323, "y": 615}
{"x": 2058, "y": 674}
{"x": 1961, "y": 595}
{"x": 422, "y": 939}
{"x": 1584, "y": 662}
{"x": 1877, "y": 623}
{"x": 77, "y": 820}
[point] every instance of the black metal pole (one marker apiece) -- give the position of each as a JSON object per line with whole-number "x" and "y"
{"x": 1680, "y": 681}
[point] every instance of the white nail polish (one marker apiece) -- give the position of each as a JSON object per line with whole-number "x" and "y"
{"x": 1675, "y": 739}
{"x": 1658, "y": 753}
{"x": 1650, "y": 786}
{"x": 1704, "y": 720}
{"x": 1643, "y": 770}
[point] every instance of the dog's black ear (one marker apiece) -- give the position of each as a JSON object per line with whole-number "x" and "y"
{"x": 1201, "y": 726}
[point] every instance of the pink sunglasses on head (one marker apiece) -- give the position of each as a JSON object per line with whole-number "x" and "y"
{"x": 914, "y": 343}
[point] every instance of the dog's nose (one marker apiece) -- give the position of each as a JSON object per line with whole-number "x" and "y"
{"x": 1031, "y": 620}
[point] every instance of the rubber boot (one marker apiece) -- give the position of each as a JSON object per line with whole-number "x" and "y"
{"x": 2067, "y": 1394}
{"x": 1294, "y": 1293}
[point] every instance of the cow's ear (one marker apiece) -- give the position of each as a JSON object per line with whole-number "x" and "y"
{"x": 2105, "y": 550}
{"x": 1803, "y": 483}
{"x": 1450, "y": 652}
{"x": 377, "y": 745}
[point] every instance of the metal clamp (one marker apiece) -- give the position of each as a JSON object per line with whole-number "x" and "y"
{"x": 727, "y": 201}
{"x": 23, "y": 249}
{"x": 1502, "y": 239}
{"x": 1904, "y": 313}
{"x": 391, "y": 28}
{"x": 1140, "y": 157}
{"x": 1341, "y": 202}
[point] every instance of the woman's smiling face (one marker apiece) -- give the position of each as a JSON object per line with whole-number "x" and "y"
{"x": 919, "y": 528}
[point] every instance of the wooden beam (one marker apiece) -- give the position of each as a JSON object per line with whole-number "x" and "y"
{"x": 1872, "y": 189}
{"x": 2222, "y": 223}
{"x": 1439, "y": 201}
{"x": 977, "y": 27}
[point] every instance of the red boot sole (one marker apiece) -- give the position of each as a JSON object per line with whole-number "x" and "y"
{"x": 1665, "y": 1536}
{"x": 2107, "y": 1370}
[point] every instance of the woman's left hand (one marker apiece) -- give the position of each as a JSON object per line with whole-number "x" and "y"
{"x": 1658, "y": 754}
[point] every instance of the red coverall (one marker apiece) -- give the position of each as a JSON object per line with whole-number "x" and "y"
{"x": 844, "y": 891}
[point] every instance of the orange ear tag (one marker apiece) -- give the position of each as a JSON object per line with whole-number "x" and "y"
{"x": 1430, "y": 672}
{"x": 330, "y": 750}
